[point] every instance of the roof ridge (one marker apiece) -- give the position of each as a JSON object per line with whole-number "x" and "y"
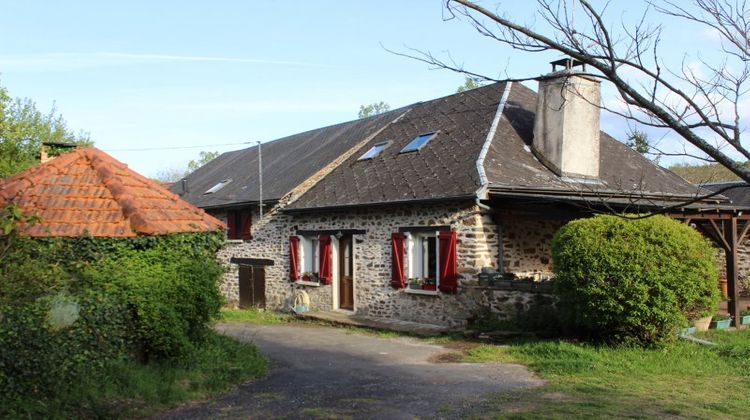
{"x": 483, "y": 181}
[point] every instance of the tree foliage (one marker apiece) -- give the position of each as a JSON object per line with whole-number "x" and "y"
{"x": 705, "y": 172}
{"x": 374, "y": 108}
{"x": 469, "y": 84}
{"x": 23, "y": 129}
{"x": 633, "y": 280}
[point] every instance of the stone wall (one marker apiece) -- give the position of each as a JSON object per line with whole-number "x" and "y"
{"x": 478, "y": 247}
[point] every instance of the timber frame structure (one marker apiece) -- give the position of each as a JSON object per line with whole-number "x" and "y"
{"x": 727, "y": 227}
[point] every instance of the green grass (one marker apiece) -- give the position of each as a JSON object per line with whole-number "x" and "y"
{"x": 683, "y": 379}
{"x": 255, "y": 316}
{"x": 131, "y": 389}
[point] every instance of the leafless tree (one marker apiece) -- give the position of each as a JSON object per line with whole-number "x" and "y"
{"x": 702, "y": 105}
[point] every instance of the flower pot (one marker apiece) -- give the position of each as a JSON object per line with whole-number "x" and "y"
{"x": 745, "y": 320}
{"x": 702, "y": 324}
{"x": 429, "y": 287}
{"x": 721, "y": 325}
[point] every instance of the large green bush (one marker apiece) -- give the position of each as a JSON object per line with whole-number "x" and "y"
{"x": 636, "y": 280}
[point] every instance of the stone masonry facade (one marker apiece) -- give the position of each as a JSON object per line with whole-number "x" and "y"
{"x": 526, "y": 253}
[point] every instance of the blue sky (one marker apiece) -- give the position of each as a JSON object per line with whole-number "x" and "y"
{"x": 145, "y": 74}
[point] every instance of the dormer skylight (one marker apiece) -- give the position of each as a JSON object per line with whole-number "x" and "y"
{"x": 419, "y": 142}
{"x": 374, "y": 151}
{"x": 218, "y": 186}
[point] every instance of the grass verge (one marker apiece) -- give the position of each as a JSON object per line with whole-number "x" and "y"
{"x": 130, "y": 389}
{"x": 683, "y": 379}
{"x": 255, "y": 316}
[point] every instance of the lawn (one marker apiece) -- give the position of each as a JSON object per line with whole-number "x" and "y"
{"x": 131, "y": 389}
{"x": 586, "y": 381}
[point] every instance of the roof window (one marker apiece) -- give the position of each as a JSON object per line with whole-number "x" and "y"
{"x": 418, "y": 142}
{"x": 218, "y": 186}
{"x": 374, "y": 151}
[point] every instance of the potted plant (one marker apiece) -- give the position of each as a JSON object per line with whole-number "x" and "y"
{"x": 721, "y": 321}
{"x": 745, "y": 317}
{"x": 308, "y": 276}
{"x": 702, "y": 323}
{"x": 429, "y": 284}
{"x": 415, "y": 283}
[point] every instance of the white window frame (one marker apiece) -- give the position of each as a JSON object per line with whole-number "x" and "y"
{"x": 309, "y": 254}
{"x": 416, "y": 258}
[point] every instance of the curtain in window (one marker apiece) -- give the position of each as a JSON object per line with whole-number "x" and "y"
{"x": 293, "y": 258}
{"x": 326, "y": 270}
{"x": 398, "y": 252}
{"x": 448, "y": 266}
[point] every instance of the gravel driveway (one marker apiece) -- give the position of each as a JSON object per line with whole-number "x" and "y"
{"x": 325, "y": 372}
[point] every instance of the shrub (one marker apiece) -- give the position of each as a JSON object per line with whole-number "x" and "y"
{"x": 633, "y": 280}
{"x": 69, "y": 307}
{"x": 170, "y": 297}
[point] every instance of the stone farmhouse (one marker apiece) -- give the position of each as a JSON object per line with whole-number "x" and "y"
{"x": 437, "y": 212}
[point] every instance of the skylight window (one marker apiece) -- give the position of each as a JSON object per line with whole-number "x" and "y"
{"x": 418, "y": 142}
{"x": 374, "y": 151}
{"x": 218, "y": 186}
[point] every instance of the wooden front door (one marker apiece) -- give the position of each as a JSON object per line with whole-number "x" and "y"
{"x": 252, "y": 286}
{"x": 346, "y": 273}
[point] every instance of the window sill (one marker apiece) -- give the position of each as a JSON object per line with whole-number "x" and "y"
{"x": 307, "y": 283}
{"x": 234, "y": 241}
{"x": 422, "y": 292}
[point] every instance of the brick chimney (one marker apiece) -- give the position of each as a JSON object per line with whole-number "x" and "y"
{"x": 566, "y": 128}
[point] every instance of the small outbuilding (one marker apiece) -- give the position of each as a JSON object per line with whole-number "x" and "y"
{"x": 88, "y": 192}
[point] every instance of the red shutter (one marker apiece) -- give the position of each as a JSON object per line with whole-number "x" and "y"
{"x": 232, "y": 225}
{"x": 326, "y": 271}
{"x": 246, "y": 232}
{"x": 293, "y": 258}
{"x": 397, "y": 260}
{"x": 448, "y": 266}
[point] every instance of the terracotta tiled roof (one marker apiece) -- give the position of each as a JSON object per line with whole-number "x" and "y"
{"x": 89, "y": 192}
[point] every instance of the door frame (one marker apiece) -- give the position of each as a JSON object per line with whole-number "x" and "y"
{"x": 337, "y": 278}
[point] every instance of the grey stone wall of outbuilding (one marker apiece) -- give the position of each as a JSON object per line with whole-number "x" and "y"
{"x": 479, "y": 234}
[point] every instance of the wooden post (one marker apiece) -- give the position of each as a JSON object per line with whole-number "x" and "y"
{"x": 732, "y": 272}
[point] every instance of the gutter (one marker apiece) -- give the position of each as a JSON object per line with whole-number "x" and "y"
{"x": 484, "y": 182}
{"x": 599, "y": 194}
{"x": 381, "y": 203}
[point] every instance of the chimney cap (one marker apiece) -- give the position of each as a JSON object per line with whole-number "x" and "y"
{"x": 568, "y": 64}
{"x": 59, "y": 144}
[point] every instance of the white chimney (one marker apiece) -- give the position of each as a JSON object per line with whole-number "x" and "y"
{"x": 566, "y": 128}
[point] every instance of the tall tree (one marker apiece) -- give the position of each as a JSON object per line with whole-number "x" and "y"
{"x": 23, "y": 129}
{"x": 702, "y": 106}
{"x": 374, "y": 108}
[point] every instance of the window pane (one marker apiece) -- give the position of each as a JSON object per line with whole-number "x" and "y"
{"x": 432, "y": 257}
{"x": 374, "y": 151}
{"x": 418, "y": 142}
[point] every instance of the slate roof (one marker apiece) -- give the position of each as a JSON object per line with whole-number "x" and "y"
{"x": 740, "y": 196}
{"x": 89, "y": 192}
{"x": 445, "y": 168}
{"x": 287, "y": 162}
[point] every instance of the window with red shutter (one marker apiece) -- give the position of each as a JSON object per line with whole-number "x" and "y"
{"x": 398, "y": 252}
{"x": 293, "y": 258}
{"x": 246, "y": 231}
{"x": 326, "y": 269}
{"x": 232, "y": 225}
{"x": 448, "y": 264}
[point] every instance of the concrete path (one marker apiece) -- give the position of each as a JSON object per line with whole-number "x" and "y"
{"x": 323, "y": 372}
